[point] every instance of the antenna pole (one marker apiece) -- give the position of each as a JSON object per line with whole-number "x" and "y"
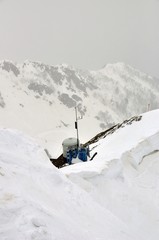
{"x": 76, "y": 127}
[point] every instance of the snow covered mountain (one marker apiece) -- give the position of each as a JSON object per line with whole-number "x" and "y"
{"x": 39, "y": 99}
{"x": 115, "y": 196}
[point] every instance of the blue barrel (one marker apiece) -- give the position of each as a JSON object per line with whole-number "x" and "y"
{"x": 69, "y": 157}
{"x": 74, "y": 153}
{"x": 82, "y": 154}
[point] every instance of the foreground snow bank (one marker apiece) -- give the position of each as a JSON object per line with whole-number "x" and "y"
{"x": 37, "y": 202}
{"x": 114, "y": 197}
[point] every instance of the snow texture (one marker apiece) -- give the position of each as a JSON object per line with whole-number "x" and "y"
{"x": 38, "y": 202}
{"x": 115, "y": 196}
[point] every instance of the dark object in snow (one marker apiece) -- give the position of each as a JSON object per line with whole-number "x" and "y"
{"x": 62, "y": 161}
{"x": 93, "y": 156}
{"x": 59, "y": 162}
{"x": 82, "y": 154}
{"x": 112, "y": 130}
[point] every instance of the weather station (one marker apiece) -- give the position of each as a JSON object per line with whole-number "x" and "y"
{"x": 73, "y": 151}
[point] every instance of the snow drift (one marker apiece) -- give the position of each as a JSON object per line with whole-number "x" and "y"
{"x": 38, "y": 202}
{"x": 114, "y": 197}
{"x": 123, "y": 177}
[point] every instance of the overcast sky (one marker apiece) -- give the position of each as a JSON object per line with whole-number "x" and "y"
{"x": 84, "y": 33}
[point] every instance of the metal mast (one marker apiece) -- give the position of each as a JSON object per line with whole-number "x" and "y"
{"x": 76, "y": 127}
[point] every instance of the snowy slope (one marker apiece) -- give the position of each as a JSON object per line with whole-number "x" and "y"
{"x": 123, "y": 177}
{"x": 39, "y": 99}
{"x": 37, "y": 202}
{"x": 115, "y": 196}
